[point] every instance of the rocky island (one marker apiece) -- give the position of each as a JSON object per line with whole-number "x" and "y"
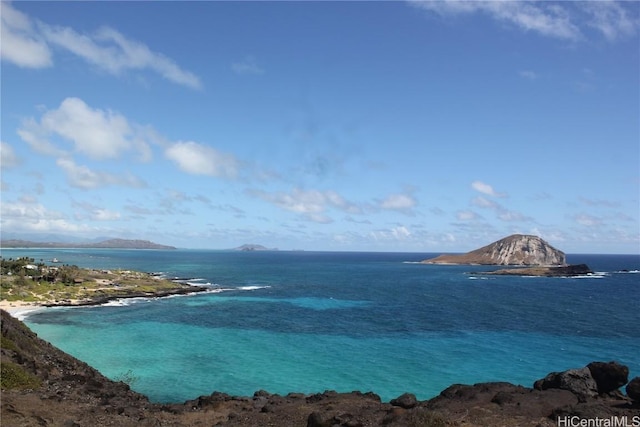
{"x": 43, "y": 386}
{"x": 531, "y": 255}
{"x": 517, "y": 249}
{"x": 249, "y": 247}
{"x": 559, "y": 271}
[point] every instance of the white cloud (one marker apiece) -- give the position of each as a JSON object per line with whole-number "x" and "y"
{"x": 395, "y": 233}
{"x": 111, "y": 51}
{"x": 248, "y": 65}
{"x": 26, "y": 216}
{"x": 27, "y": 44}
{"x": 84, "y": 178}
{"x": 567, "y": 21}
{"x": 467, "y": 216}
{"x": 21, "y": 44}
{"x": 502, "y": 213}
{"x": 95, "y": 213}
{"x": 547, "y": 20}
{"x": 38, "y": 138}
{"x": 199, "y": 159}
{"x": 486, "y": 189}
{"x": 528, "y": 74}
{"x": 510, "y": 216}
{"x": 105, "y": 215}
{"x": 611, "y": 18}
{"x": 400, "y": 232}
{"x": 312, "y": 204}
{"x": 398, "y": 202}
{"x": 587, "y": 220}
{"x": 8, "y": 157}
{"x": 96, "y": 133}
{"x": 482, "y": 202}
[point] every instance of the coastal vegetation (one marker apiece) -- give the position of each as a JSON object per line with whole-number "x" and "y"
{"x": 13, "y": 376}
{"x": 25, "y": 280}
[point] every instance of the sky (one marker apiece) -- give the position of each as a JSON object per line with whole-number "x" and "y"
{"x": 343, "y": 126}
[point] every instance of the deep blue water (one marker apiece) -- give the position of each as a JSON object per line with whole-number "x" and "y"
{"x": 310, "y": 321}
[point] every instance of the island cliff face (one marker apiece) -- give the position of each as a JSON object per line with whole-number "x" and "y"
{"x": 517, "y": 249}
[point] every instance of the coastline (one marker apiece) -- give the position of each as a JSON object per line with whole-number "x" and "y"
{"x": 83, "y": 396}
{"x": 20, "y": 309}
{"x": 28, "y": 286}
{"x": 90, "y": 400}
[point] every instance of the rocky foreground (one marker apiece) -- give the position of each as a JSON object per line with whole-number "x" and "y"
{"x": 43, "y": 386}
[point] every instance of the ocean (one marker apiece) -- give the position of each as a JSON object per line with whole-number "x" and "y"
{"x": 313, "y": 321}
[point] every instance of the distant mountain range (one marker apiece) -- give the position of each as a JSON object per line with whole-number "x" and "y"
{"x": 105, "y": 244}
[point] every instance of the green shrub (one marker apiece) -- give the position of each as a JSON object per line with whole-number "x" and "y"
{"x": 13, "y": 376}
{"x": 127, "y": 377}
{"x": 6, "y": 343}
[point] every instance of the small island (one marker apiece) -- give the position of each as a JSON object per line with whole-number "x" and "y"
{"x": 530, "y": 254}
{"x": 25, "y": 282}
{"x": 560, "y": 271}
{"x": 250, "y": 247}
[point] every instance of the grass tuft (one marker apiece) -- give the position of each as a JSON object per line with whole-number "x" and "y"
{"x": 13, "y": 376}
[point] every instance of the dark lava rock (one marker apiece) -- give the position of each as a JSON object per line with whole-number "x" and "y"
{"x": 608, "y": 376}
{"x": 406, "y": 401}
{"x": 577, "y": 381}
{"x": 572, "y": 270}
{"x": 510, "y": 400}
{"x": 633, "y": 389}
{"x": 319, "y": 419}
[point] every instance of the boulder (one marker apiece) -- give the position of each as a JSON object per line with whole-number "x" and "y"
{"x": 578, "y": 381}
{"x": 633, "y": 389}
{"x": 406, "y": 401}
{"x": 608, "y": 376}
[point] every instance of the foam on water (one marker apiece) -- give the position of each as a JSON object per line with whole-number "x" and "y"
{"x": 251, "y": 288}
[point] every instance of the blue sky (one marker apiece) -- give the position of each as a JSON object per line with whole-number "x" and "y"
{"x": 383, "y": 126}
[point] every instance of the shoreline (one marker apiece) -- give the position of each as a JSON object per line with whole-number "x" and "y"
{"x": 83, "y": 396}
{"x": 21, "y": 309}
{"x": 28, "y": 287}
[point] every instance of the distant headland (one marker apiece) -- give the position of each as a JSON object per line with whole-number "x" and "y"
{"x": 105, "y": 244}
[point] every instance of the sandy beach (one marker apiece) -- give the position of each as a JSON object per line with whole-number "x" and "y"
{"x": 19, "y": 309}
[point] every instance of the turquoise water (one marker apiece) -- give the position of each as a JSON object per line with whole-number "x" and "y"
{"x": 308, "y": 321}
